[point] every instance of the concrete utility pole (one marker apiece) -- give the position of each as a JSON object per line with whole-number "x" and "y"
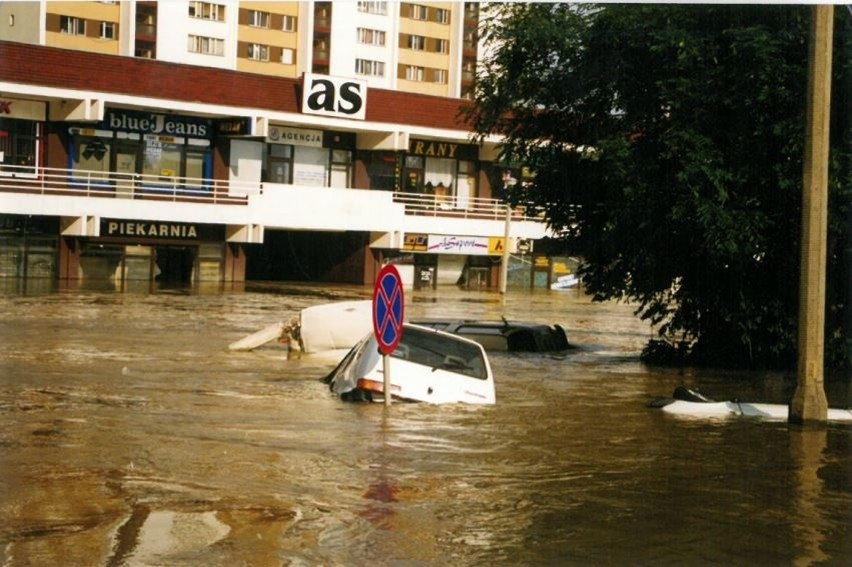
{"x": 504, "y": 266}
{"x": 809, "y": 403}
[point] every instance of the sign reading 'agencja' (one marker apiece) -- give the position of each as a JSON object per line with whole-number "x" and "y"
{"x": 334, "y": 96}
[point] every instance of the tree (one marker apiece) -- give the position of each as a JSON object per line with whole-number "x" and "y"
{"x": 667, "y": 142}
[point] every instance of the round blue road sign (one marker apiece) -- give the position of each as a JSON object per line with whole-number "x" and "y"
{"x": 388, "y": 307}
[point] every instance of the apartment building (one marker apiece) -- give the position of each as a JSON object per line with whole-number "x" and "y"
{"x": 429, "y": 48}
{"x": 202, "y": 141}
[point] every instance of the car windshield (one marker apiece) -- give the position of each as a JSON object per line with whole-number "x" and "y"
{"x": 440, "y": 351}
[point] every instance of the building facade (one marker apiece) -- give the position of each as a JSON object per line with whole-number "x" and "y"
{"x": 135, "y": 148}
{"x": 428, "y": 48}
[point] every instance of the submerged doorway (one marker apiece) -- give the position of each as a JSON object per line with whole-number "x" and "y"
{"x": 175, "y": 264}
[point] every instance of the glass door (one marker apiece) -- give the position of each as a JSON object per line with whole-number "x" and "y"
{"x": 125, "y": 168}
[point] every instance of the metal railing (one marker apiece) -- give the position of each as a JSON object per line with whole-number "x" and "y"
{"x": 463, "y": 207}
{"x": 86, "y": 183}
{"x": 112, "y": 185}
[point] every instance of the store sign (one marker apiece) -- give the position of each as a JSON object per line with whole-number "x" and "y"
{"x": 471, "y": 245}
{"x": 525, "y": 246}
{"x": 448, "y": 150}
{"x": 140, "y": 229}
{"x": 415, "y": 242}
{"x": 232, "y": 127}
{"x": 294, "y": 136}
{"x": 334, "y": 96}
{"x": 150, "y": 123}
{"x": 22, "y": 109}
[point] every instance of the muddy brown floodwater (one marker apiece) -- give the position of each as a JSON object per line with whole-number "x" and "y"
{"x": 129, "y": 435}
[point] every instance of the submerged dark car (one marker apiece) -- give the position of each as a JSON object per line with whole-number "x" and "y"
{"x": 509, "y": 336}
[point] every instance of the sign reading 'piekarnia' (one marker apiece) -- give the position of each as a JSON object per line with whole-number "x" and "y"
{"x": 125, "y": 228}
{"x": 334, "y": 96}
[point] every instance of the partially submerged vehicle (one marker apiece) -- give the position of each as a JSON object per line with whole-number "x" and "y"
{"x": 427, "y": 366}
{"x": 331, "y": 328}
{"x": 327, "y": 328}
{"x": 504, "y": 336}
{"x": 689, "y": 403}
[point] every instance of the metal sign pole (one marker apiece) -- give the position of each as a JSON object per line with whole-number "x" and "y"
{"x": 386, "y": 371}
{"x": 388, "y": 314}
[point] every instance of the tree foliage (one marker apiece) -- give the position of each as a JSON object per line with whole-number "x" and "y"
{"x": 667, "y": 142}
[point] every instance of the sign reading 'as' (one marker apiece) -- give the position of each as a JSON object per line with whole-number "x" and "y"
{"x": 334, "y": 96}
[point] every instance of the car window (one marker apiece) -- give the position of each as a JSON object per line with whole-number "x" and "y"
{"x": 439, "y": 351}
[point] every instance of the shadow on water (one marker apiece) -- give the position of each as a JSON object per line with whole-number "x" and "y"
{"x": 129, "y": 435}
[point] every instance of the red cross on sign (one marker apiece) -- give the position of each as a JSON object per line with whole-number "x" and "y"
{"x": 388, "y": 308}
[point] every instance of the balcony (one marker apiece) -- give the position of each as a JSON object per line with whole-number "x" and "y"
{"x": 75, "y": 193}
{"x": 109, "y": 185}
{"x": 450, "y": 206}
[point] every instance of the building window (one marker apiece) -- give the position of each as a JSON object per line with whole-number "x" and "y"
{"x": 442, "y": 46}
{"x": 279, "y": 164}
{"x": 289, "y": 24}
{"x": 258, "y": 52}
{"x": 380, "y": 8}
{"x": 371, "y": 37}
{"x": 442, "y": 16}
{"x": 341, "y": 168}
{"x": 413, "y": 73}
{"x": 205, "y": 45}
{"x": 288, "y": 56}
{"x": 92, "y": 154}
{"x": 207, "y": 11}
{"x": 418, "y": 12}
{"x": 258, "y": 19}
{"x": 369, "y": 67}
{"x": 441, "y": 76}
{"x": 107, "y": 30}
{"x": 19, "y": 142}
{"x": 469, "y": 40}
{"x": 72, "y": 26}
{"x": 417, "y": 42}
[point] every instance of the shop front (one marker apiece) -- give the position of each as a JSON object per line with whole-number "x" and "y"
{"x": 439, "y": 259}
{"x": 168, "y": 253}
{"x": 21, "y": 133}
{"x": 445, "y": 170}
{"x": 165, "y": 150}
{"x": 308, "y": 157}
{"x": 28, "y": 246}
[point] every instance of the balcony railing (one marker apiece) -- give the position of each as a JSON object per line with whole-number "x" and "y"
{"x": 462, "y": 207}
{"x": 111, "y": 185}
{"x": 85, "y": 183}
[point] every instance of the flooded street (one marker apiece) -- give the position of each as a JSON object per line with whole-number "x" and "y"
{"x": 130, "y": 435}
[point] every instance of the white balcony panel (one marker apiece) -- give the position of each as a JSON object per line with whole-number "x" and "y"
{"x": 326, "y": 208}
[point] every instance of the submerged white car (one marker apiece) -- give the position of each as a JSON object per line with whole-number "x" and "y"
{"x": 428, "y": 366}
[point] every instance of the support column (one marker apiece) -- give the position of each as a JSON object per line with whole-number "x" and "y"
{"x": 69, "y": 258}
{"x": 235, "y": 263}
{"x": 809, "y": 403}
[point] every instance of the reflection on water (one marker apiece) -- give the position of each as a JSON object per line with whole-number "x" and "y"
{"x": 129, "y": 435}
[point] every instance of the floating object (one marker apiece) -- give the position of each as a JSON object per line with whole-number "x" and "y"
{"x": 689, "y": 403}
{"x": 260, "y": 338}
{"x": 565, "y": 282}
